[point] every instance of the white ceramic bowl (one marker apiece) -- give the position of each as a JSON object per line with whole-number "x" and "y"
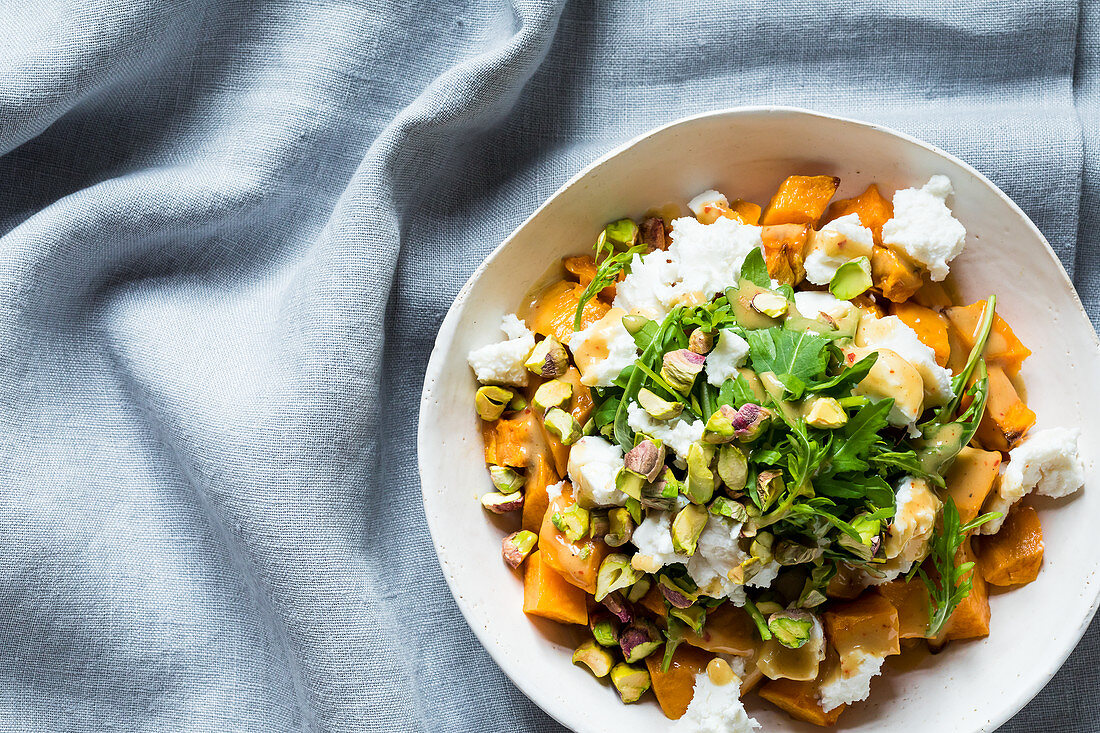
{"x": 746, "y": 152}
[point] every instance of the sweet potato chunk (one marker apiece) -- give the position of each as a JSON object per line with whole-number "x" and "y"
{"x": 540, "y": 475}
{"x": 584, "y": 269}
{"x": 783, "y": 246}
{"x": 895, "y": 276}
{"x": 971, "y": 619}
{"x": 869, "y": 623}
{"x": 930, "y": 326}
{"x": 747, "y": 210}
{"x": 1003, "y": 348}
{"x": 510, "y": 441}
{"x": 552, "y": 312}
{"x": 911, "y": 602}
{"x": 872, "y": 208}
{"x": 547, "y": 594}
{"x": 970, "y": 480}
{"x": 728, "y": 629}
{"x": 654, "y": 602}
{"x": 800, "y": 200}
{"x": 799, "y": 700}
{"x": 1014, "y": 555}
{"x": 578, "y": 562}
{"x": 1007, "y": 419}
{"x": 675, "y": 688}
{"x": 933, "y": 295}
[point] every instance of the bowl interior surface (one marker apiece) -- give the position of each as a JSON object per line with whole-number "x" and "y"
{"x": 745, "y": 153}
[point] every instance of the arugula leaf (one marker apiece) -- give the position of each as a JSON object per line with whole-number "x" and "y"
{"x": 856, "y": 486}
{"x": 651, "y": 354}
{"x": 755, "y": 270}
{"x": 843, "y": 383}
{"x": 735, "y": 392}
{"x": 858, "y": 435}
{"x": 949, "y": 588}
{"x": 606, "y": 274}
{"x": 795, "y": 357}
{"x": 605, "y": 413}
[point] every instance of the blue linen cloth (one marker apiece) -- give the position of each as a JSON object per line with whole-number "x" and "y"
{"x": 230, "y": 230}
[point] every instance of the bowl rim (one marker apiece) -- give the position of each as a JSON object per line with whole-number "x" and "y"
{"x": 450, "y": 321}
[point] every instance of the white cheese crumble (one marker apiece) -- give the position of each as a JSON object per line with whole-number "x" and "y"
{"x": 699, "y": 204}
{"x": 729, "y": 352}
{"x": 716, "y": 554}
{"x": 828, "y": 253}
{"x": 1047, "y": 462}
{"x": 923, "y": 227}
{"x": 766, "y": 575}
{"x": 709, "y": 256}
{"x": 554, "y": 490}
{"x": 593, "y": 463}
{"x": 894, "y": 334}
{"x": 647, "y": 289}
{"x": 910, "y": 530}
{"x": 716, "y": 709}
{"x": 850, "y": 681}
{"x": 603, "y": 349}
{"x": 653, "y": 538}
{"x": 502, "y": 362}
{"x": 677, "y": 435}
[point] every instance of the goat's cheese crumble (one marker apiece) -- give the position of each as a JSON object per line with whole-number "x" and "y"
{"x": 845, "y": 239}
{"x": 850, "y": 681}
{"x": 894, "y": 334}
{"x": 923, "y": 227}
{"x": 603, "y": 349}
{"x": 677, "y": 434}
{"x": 729, "y": 352}
{"x": 1048, "y": 463}
{"x": 716, "y": 709}
{"x": 593, "y": 464}
{"x": 502, "y": 362}
{"x": 910, "y": 530}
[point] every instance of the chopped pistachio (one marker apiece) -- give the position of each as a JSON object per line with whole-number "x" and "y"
{"x": 700, "y": 341}
{"x": 621, "y": 527}
{"x": 554, "y": 393}
{"x": 869, "y": 530}
{"x": 761, "y": 547}
{"x": 549, "y": 358}
{"x": 792, "y": 629}
{"x": 751, "y": 421}
{"x": 646, "y": 459}
{"x": 851, "y": 279}
{"x": 518, "y": 402}
{"x": 639, "y": 589}
{"x": 614, "y": 602}
{"x": 631, "y": 682}
{"x": 826, "y": 413}
{"x": 680, "y": 367}
{"x": 699, "y": 487}
{"x": 658, "y": 408}
{"x": 563, "y": 426}
{"x": 766, "y": 607}
{"x": 605, "y": 628}
{"x": 694, "y": 616}
{"x": 596, "y": 658}
{"x": 517, "y": 546}
{"x": 630, "y": 483}
{"x": 505, "y": 479}
{"x": 653, "y": 233}
{"x": 769, "y": 486}
{"x": 499, "y": 503}
{"x": 723, "y": 507}
{"x": 598, "y": 523}
{"x": 622, "y": 234}
{"x": 789, "y": 552}
{"x": 491, "y": 401}
{"x": 733, "y": 468}
{"x": 769, "y": 303}
{"x": 615, "y": 573}
{"x": 719, "y": 428}
{"x": 677, "y": 593}
{"x": 686, "y": 528}
{"x": 572, "y": 522}
{"x": 634, "y": 506}
{"x": 589, "y": 428}
{"x": 640, "y": 639}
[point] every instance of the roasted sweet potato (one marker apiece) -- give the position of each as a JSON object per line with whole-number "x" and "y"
{"x": 783, "y": 247}
{"x": 584, "y": 269}
{"x": 1003, "y": 348}
{"x": 799, "y": 700}
{"x": 930, "y": 327}
{"x": 1014, "y": 555}
{"x": 748, "y": 211}
{"x": 728, "y": 629}
{"x": 970, "y": 479}
{"x": 971, "y": 619}
{"x": 1007, "y": 419}
{"x": 578, "y": 562}
{"x": 869, "y": 623}
{"x": 675, "y": 688}
{"x": 539, "y": 476}
{"x": 654, "y": 602}
{"x": 800, "y": 200}
{"x": 872, "y": 208}
{"x": 511, "y": 441}
{"x": 552, "y": 311}
{"x": 933, "y": 295}
{"x": 547, "y": 594}
{"x": 910, "y": 600}
{"x": 896, "y": 277}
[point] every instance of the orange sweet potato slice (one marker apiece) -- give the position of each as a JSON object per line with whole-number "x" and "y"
{"x": 675, "y": 688}
{"x": 799, "y": 700}
{"x": 930, "y": 327}
{"x": 1014, "y": 555}
{"x": 540, "y": 475}
{"x": 748, "y": 211}
{"x": 911, "y": 602}
{"x": 869, "y": 623}
{"x": 800, "y": 200}
{"x": 971, "y": 619}
{"x": 933, "y": 295}
{"x": 1007, "y": 418}
{"x": 728, "y": 629}
{"x": 654, "y": 602}
{"x": 896, "y": 277}
{"x": 583, "y": 268}
{"x": 783, "y": 247}
{"x": 553, "y": 310}
{"x": 511, "y": 441}
{"x": 1003, "y": 348}
{"x": 970, "y": 480}
{"x": 870, "y": 206}
{"x": 578, "y": 562}
{"x": 547, "y": 594}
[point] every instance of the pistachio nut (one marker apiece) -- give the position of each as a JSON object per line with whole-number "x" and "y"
{"x": 723, "y": 507}
{"x": 631, "y": 682}
{"x": 517, "y": 546}
{"x": 506, "y": 480}
{"x": 869, "y": 530}
{"x": 499, "y": 503}
{"x": 562, "y": 426}
{"x": 653, "y": 233}
{"x": 572, "y": 522}
{"x": 699, "y": 487}
{"x": 614, "y": 602}
{"x": 640, "y": 639}
{"x": 686, "y": 528}
{"x": 851, "y": 279}
{"x": 595, "y": 657}
{"x": 615, "y": 573}
{"x": 519, "y": 402}
{"x": 630, "y": 483}
{"x": 634, "y": 506}
{"x": 490, "y": 402}
{"x": 769, "y": 303}
{"x": 620, "y": 527}
{"x": 646, "y": 459}
{"x": 605, "y": 628}
{"x": 549, "y": 358}
{"x": 598, "y": 523}
{"x": 825, "y": 413}
{"x": 719, "y": 427}
{"x": 751, "y": 421}
{"x": 678, "y": 594}
{"x": 700, "y": 341}
{"x": 792, "y": 629}
{"x": 554, "y": 393}
{"x": 638, "y": 591}
{"x": 789, "y": 552}
{"x": 733, "y": 468}
{"x": 769, "y": 486}
{"x": 761, "y": 547}
{"x": 680, "y": 367}
{"x": 658, "y": 408}
{"x": 694, "y": 616}
{"x": 621, "y": 234}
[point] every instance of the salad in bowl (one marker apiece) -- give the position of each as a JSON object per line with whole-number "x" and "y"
{"x": 763, "y": 449}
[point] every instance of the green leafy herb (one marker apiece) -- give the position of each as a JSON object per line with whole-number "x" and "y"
{"x": 859, "y": 435}
{"x": 795, "y": 357}
{"x": 758, "y": 619}
{"x": 606, "y": 274}
{"x": 755, "y": 270}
